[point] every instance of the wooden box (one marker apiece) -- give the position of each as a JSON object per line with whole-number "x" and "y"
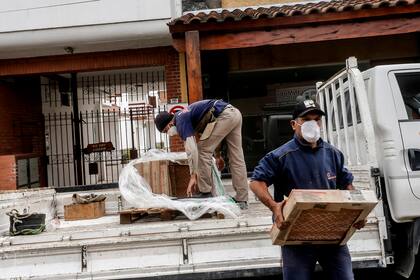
{"x": 179, "y": 175}
{"x": 85, "y": 211}
{"x": 166, "y": 177}
{"x": 323, "y": 216}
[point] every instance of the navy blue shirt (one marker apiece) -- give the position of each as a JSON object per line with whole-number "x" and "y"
{"x": 187, "y": 120}
{"x": 296, "y": 165}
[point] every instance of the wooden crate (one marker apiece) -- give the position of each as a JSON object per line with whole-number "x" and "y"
{"x": 179, "y": 175}
{"x": 166, "y": 177}
{"x": 129, "y": 216}
{"x": 323, "y": 216}
{"x": 85, "y": 211}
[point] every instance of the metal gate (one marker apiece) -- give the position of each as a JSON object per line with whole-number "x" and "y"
{"x": 92, "y": 132}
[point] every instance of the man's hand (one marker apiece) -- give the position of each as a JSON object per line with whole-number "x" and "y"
{"x": 220, "y": 163}
{"x": 192, "y": 185}
{"x": 360, "y": 224}
{"x": 260, "y": 189}
{"x": 277, "y": 210}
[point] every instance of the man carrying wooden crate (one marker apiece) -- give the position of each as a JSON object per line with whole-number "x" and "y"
{"x": 305, "y": 162}
{"x": 202, "y": 126}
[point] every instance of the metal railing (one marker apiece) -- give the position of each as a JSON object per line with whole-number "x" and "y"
{"x": 348, "y": 124}
{"x": 114, "y": 121}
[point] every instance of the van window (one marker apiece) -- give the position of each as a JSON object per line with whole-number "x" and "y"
{"x": 409, "y": 84}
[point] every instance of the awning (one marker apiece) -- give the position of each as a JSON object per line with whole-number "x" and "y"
{"x": 287, "y": 24}
{"x": 340, "y": 9}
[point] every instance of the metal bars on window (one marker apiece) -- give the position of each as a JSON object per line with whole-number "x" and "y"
{"x": 59, "y": 148}
{"x": 116, "y": 112}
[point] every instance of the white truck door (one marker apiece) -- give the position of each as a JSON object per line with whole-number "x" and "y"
{"x": 406, "y": 91}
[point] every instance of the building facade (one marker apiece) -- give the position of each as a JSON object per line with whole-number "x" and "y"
{"x": 80, "y": 82}
{"x": 263, "y": 55}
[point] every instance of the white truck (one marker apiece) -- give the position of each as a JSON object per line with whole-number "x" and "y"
{"x": 380, "y": 149}
{"x": 374, "y": 118}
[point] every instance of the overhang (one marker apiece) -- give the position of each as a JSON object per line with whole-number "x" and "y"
{"x": 340, "y": 19}
{"x": 287, "y": 24}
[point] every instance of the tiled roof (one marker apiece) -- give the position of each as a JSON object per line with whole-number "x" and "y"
{"x": 323, "y": 7}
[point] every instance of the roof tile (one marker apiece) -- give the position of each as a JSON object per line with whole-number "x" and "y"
{"x": 334, "y": 6}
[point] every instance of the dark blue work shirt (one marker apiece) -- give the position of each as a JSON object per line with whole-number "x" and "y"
{"x": 295, "y": 165}
{"x": 187, "y": 120}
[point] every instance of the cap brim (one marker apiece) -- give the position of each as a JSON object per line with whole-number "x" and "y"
{"x": 312, "y": 110}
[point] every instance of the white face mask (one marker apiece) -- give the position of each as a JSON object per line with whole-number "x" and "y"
{"x": 311, "y": 131}
{"x": 172, "y": 131}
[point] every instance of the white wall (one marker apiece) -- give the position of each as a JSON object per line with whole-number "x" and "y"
{"x": 46, "y": 27}
{"x": 20, "y": 15}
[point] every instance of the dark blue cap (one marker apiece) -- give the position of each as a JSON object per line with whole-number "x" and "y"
{"x": 162, "y": 119}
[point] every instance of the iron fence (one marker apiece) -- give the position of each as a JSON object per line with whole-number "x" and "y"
{"x": 114, "y": 122}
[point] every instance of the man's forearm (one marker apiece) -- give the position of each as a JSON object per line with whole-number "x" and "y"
{"x": 261, "y": 191}
{"x": 192, "y": 154}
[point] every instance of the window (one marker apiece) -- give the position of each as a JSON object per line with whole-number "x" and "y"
{"x": 414, "y": 159}
{"x": 409, "y": 84}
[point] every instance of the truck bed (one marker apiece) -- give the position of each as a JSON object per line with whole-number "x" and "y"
{"x": 179, "y": 249}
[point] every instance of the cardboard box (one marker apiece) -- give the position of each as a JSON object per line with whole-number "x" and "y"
{"x": 323, "y": 216}
{"x": 85, "y": 211}
{"x": 166, "y": 177}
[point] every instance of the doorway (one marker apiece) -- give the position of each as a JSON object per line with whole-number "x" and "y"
{"x": 113, "y": 123}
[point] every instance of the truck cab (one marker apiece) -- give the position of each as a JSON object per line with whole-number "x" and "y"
{"x": 394, "y": 95}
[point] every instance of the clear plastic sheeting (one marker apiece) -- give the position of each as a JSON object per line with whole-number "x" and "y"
{"x": 155, "y": 154}
{"x": 137, "y": 191}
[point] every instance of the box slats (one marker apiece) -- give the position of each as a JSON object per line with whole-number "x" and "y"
{"x": 85, "y": 211}
{"x": 323, "y": 216}
{"x": 165, "y": 177}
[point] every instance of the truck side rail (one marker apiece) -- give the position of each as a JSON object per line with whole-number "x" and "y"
{"x": 342, "y": 121}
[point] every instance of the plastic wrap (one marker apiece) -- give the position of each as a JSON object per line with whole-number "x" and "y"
{"x": 137, "y": 191}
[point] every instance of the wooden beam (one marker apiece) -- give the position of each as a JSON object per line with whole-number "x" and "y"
{"x": 183, "y": 78}
{"x": 84, "y": 62}
{"x": 289, "y": 21}
{"x": 192, "y": 50}
{"x": 179, "y": 44}
{"x": 282, "y": 56}
{"x": 310, "y": 34}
